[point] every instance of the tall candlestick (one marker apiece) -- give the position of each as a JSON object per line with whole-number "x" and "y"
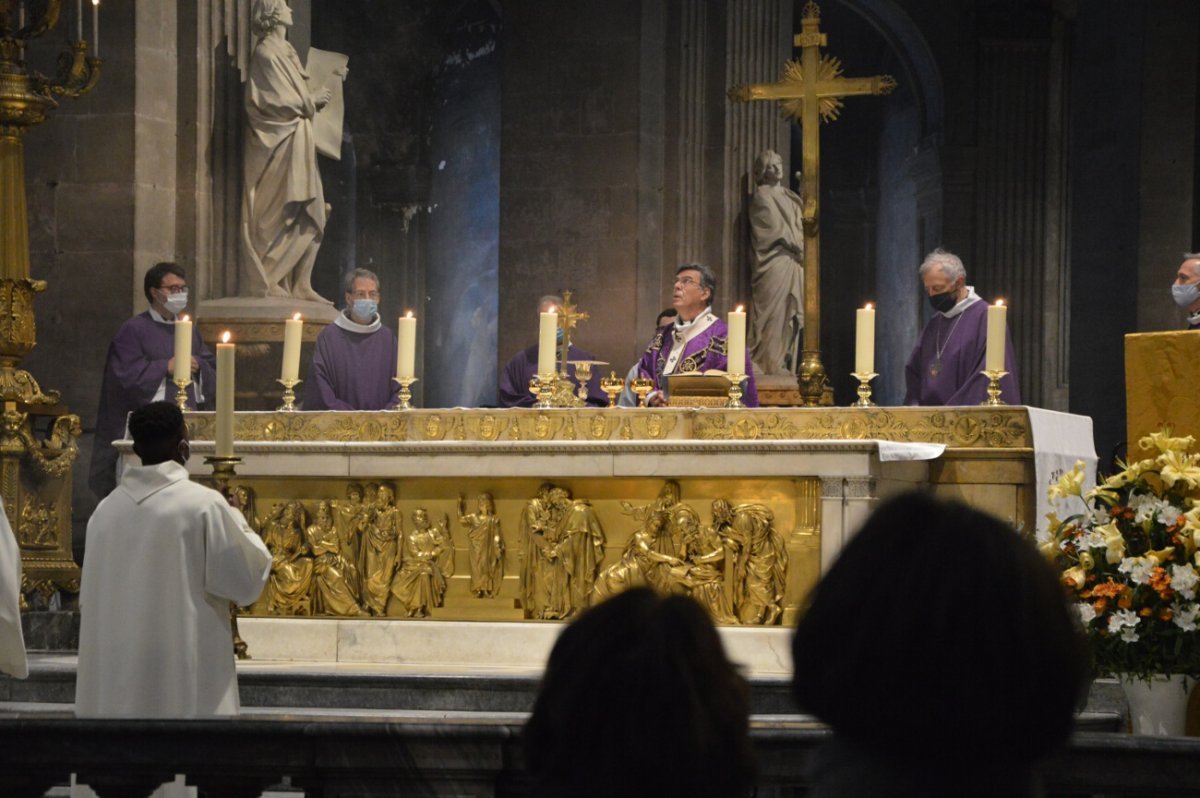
{"x": 96, "y": 28}
{"x": 996, "y": 321}
{"x": 293, "y": 331}
{"x": 735, "y": 360}
{"x": 406, "y": 351}
{"x": 547, "y": 332}
{"x": 225, "y": 352}
{"x": 864, "y": 340}
{"x": 183, "y": 349}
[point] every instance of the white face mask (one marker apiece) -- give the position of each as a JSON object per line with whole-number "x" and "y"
{"x": 1185, "y": 295}
{"x": 176, "y": 302}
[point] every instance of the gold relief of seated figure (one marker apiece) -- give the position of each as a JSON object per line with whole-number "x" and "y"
{"x": 426, "y": 560}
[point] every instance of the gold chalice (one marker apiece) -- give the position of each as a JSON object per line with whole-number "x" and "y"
{"x": 642, "y": 386}
{"x": 612, "y": 385}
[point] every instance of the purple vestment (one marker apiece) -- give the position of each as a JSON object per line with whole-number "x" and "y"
{"x": 704, "y": 352}
{"x": 958, "y": 380}
{"x": 516, "y": 374}
{"x": 135, "y": 367}
{"x": 352, "y": 371}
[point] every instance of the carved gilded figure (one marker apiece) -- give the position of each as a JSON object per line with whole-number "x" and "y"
{"x": 382, "y": 526}
{"x": 562, "y": 547}
{"x": 644, "y": 561}
{"x": 420, "y": 582}
{"x": 707, "y": 574}
{"x": 335, "y": 591}
{"x": 247, "y": 503}
{"x": 290, "y": 585}
{"x": 759, "y": 558}
{"x": 350, "y": 518}
{"x": 486, "y": 545}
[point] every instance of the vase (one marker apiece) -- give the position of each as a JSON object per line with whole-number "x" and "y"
{"x": 1158, "y": 706}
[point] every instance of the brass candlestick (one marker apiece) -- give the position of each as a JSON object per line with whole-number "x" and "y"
{"x": 224, "y": 469}
{"x": 993, "y": 389}
{"x": 543, "y": 387}
{"x": 405, "y": 392}
{"x": 864, "y": 388}
{"x": 612, "y": 385}
{"x": 289, "y": 395}
{"x": 735, "y": 389}
{"x": 642, "y": 386}
{"x": 181, "y": 396}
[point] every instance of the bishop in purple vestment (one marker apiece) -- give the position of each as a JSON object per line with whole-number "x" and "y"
{"x": 946, "y": 364}
{"x": 355, "y": 357}
{"x": 139, "y": 366}
{"x": 696, "y": 341}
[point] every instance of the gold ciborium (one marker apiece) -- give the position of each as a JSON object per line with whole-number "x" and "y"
{"x": 612, "y": 385}
{"x": 642, "y": 386}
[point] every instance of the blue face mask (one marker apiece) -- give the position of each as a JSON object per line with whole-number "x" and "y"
{"x": 558, "y": 335}
{"x": 364, "y": 309}
{"x": 1185, "y": 295}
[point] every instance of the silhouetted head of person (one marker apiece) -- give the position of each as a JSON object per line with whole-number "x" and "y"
{"x": 639, "y": 699}
{"x": 159, "y": 433}
{"x": 941, "y": 635}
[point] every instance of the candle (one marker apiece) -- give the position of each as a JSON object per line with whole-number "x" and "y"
{"x": 183, "y": 349}
{"x": 547, "y": 334}
{"x": 996, "y": 336}
{"x": 225, "y": 352}
{"x": 78, "y": 19}
{"x": 736, "y": 358}
{"x": 293, "y": 330}
{"x": 407, "y": 349}
{"x": 96, "y": 28}
{"x": 864, "y": 340}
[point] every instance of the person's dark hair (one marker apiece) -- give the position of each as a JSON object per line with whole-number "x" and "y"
{"x": 359, "y": 274}
{"x": 639, "y": 699}
{"x": 707, "y": 278}
{"x": 156, "y": 429}
{"x": 941, "y": 634}
{"x": 156, "y": 273}
{"x": 666, "y": 313}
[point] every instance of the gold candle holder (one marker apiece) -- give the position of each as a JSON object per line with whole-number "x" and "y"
{"x": 993, "y": 389}
{"x": 405, "y": 392}
{"x": 543, "y": 387}
{"x": 224, "y": 469}
{"x": 864, "y": 388}
{"x": 642, "y": 386}
{"x": 735, "y": 389}
{"x": 612, "y": 385}
{"x": 289, "y": 395}
{"x": 181, "y": 396}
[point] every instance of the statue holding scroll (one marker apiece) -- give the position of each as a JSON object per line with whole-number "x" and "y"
{"x": 777, "y": 271}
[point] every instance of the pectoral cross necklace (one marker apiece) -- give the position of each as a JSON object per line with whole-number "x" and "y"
{"x": 940, "y": 347}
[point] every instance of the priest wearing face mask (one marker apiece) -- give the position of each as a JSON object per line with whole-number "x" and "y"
{"x": 517, "y": 372}
{"x": 139, "y": 368}
{"x": 1186, "y": 289}
{"x": 946, "y": 364}
{"x": 355, "y": 357}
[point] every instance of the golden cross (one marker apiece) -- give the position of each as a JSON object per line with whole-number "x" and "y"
{"x": 568, "y": 318}
{"x": 811, "y": 90}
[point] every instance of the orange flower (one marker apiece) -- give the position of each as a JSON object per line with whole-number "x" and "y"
{"x": 1100, "y": 605}
{"x": 1165, "y": 614}
{"x": 1145, "y": 612}
{"x": 1125, "y": 601}
{"x": 1109, "y": 589}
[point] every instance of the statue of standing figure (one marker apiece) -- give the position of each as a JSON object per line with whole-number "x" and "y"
{"x": 283, "y": 204}
{"x": 486, "y": 545}
{"x": 777, "y": 271}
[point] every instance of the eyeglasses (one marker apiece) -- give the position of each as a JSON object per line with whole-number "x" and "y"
{"x": 365, "y": 295}
{"x": 686, "y": 281}
{"x": 174, "y": 289}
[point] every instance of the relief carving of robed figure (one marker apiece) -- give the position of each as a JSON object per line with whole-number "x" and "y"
{"x": 777, "y": 270}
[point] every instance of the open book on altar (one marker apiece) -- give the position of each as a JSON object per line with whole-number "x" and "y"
{"x": 698, "y": 389}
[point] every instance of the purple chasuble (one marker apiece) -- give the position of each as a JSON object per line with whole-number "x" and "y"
{"x": 954, "y": 378}
{"x": 516, "y": 374}
{"x": 704, "y": 352}
{"x": 352, "y": 371}
{"x": 135, "y": 367}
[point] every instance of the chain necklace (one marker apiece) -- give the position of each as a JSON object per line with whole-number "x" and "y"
{"x": 940, "y": 347}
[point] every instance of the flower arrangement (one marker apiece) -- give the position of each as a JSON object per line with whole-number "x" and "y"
{"x": 1128, "y": 557}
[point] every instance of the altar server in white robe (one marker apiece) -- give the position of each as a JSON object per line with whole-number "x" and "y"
{"x": 12, "y": 644}
{"x": 164, "y": 558}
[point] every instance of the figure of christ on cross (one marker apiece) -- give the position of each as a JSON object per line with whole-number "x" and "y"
{"x": 811, "y": 91}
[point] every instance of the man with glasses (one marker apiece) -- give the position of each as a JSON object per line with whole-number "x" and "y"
{"x": 695, "y": 341}
{"x": 141, "y": 360}
{"x": 355, "y": 357}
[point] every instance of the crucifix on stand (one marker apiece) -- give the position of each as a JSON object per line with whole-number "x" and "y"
{"x": 811, "y": 91}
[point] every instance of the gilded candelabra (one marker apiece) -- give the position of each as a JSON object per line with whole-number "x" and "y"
{"x": 289, "y": 395}
{"x": 224, "y": 470}
{"x": 735, "y": 389}
{"x": 405, "y": 392}
{"x": 864, "y": 389}
{"x": 993, "y": 389}
{"x": 27, "y": 99}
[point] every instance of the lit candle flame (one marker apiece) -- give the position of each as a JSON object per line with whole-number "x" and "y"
{"x": 869, "y": 306}
{"x": 408, "y": 314}
{"x": 184, "y": 317}
{"x": 740, "y": 309}
{"x": 95, "y": 2}
{"x": 225, "y": 337}
{"x": 999, "y": 303}
{"x": 295, "y": 317}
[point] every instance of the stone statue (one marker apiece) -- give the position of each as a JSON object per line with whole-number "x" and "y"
{"x": 289, "y": 588}
{"x": 335, "y": 591}
{"x": 486, "y": 545}
{"x": 283, "y": 205}
{"x": 420, "y": 582}
{"x": 381, "y": 530}
{"x": 777, "y": 271}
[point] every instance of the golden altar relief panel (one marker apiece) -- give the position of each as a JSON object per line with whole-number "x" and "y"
{"x": 747, "y": 549}
{"x": 960, "y": 427}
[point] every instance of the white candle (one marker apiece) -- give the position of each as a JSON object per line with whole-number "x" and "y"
{"x": 225, "y": 353}
{"x": 864, "y": 340}
{"x": 183, "y": 349}
{"x": 78, "y": 19}
{"x": 293, "y": 330}
{"x": 996, "y": 321}
{"x": 406, "y": 351}
{"x": 547, "y": 334}
{"x": 96, "y": 28}
{"x": 735, "y": 359}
